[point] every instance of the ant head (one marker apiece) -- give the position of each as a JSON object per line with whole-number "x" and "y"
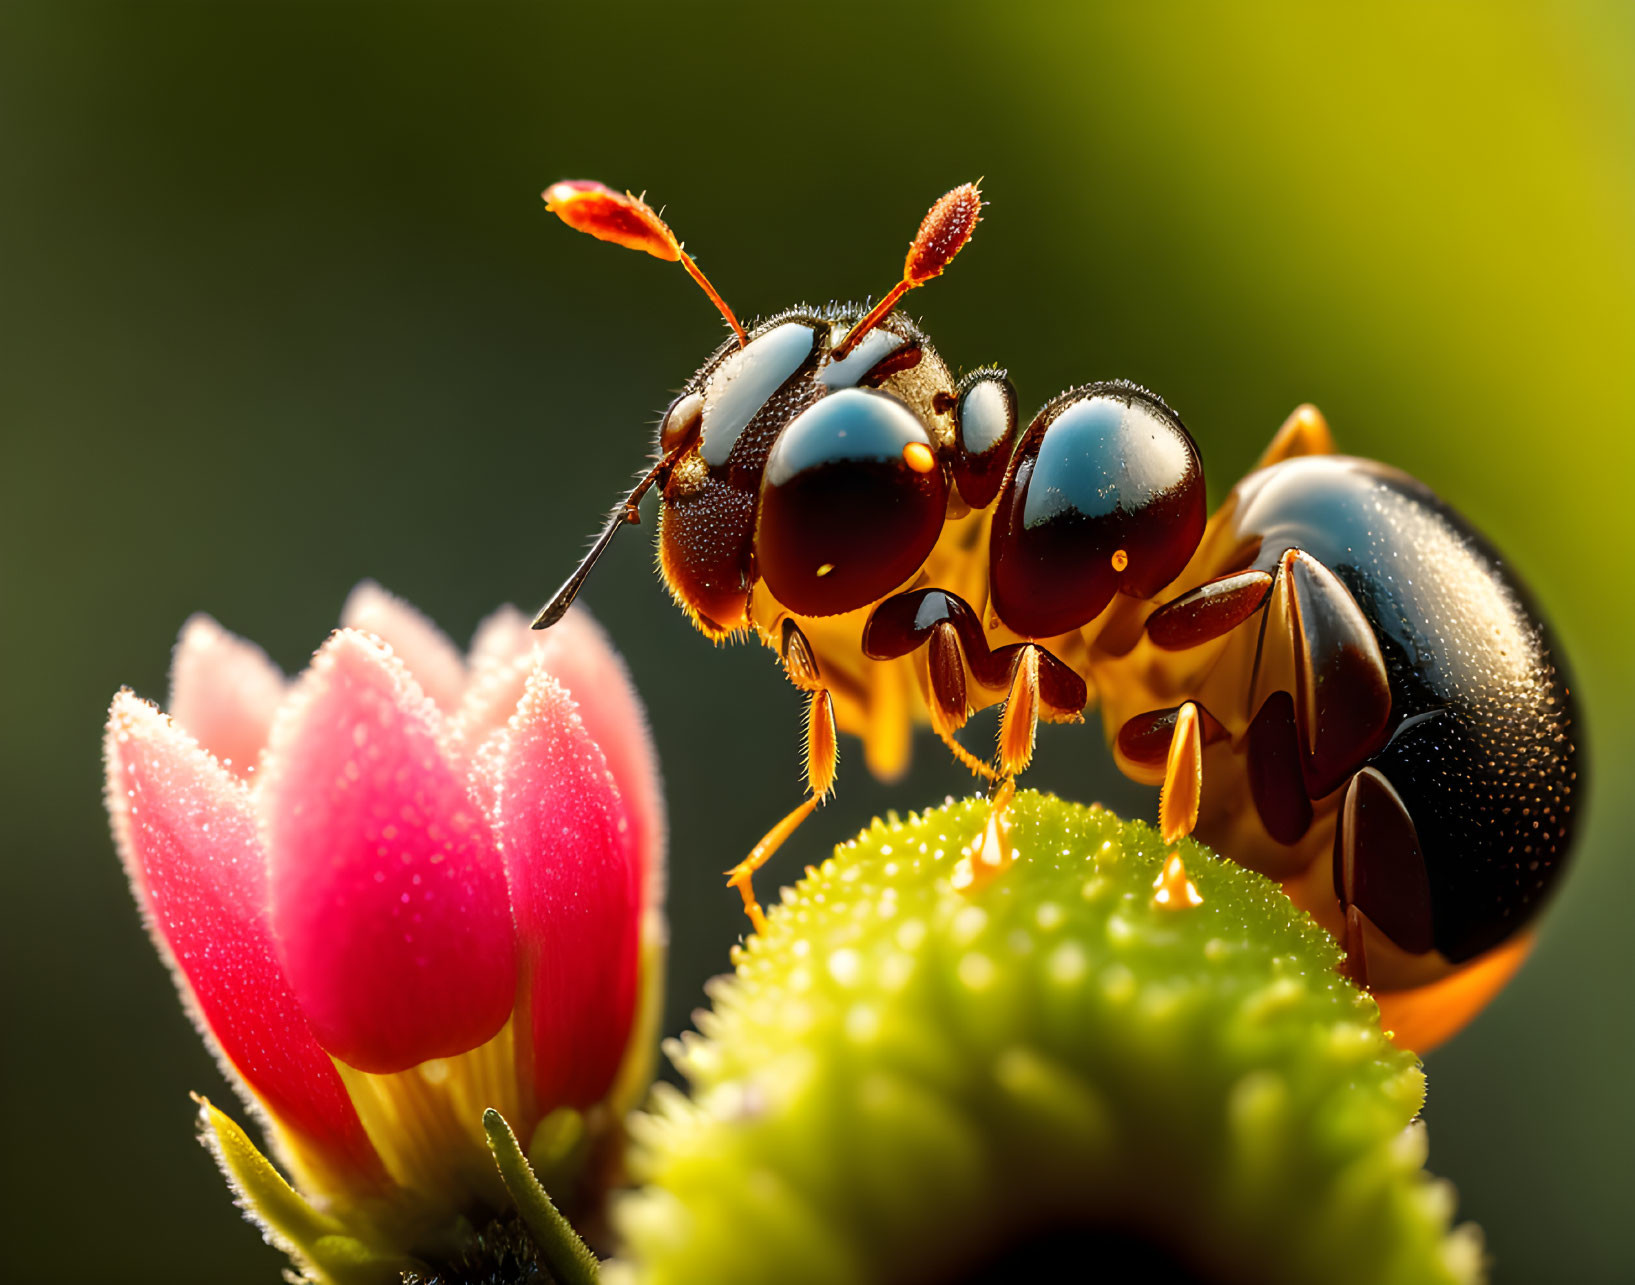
{"x": 748, "y": 380}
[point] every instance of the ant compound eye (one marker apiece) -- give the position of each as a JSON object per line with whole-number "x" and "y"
{"x": 986, "y": 417}
{"x": 738, "y": 388}
{"x": 1105, "y": 494}
{"x": 681, "y": 422}
{"x": 852, "y": 502}
{"x": 878, "y": 349}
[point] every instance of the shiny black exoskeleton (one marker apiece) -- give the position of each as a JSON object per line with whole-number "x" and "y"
{"x": 1466, "y": 808}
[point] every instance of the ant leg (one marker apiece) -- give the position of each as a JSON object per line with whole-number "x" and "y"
{"x": 1019, "y": 725}
{"x": 1178, "y": 808}
{"x": 1379, "y": 871}
{"x": 822, "y": 755}
{"x": 1059, "y": 694}
{"x": 950, "y": 707}
{"x": 1318, "y": 646}
{"x": 822, "y": 745}
{"x": 1183, "y": 778}
{"x": 966, "y": 759}
{"x": 1214, "y": 608}
{"x": 741, "y": 875}
{"x": 993, "y": 854}
{"x": 1305, "y": 432}
{"x": 1354, "y": 963}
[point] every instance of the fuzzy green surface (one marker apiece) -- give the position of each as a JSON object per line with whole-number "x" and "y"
{"x": 901, "y": 1081}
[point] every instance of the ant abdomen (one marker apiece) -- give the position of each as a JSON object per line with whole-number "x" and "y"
{"x": 1401, "y": 725}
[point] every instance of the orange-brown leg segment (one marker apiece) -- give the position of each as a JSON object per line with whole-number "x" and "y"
{"x": 1019, "y": 724}
{"x": 1305, "y": 432}
{"x": 1183, "y": 777}
{"x": 822, "y": 745}
{"x": 950, "y": 705}
{"x": 993, "y": 853}
{"x": 1354, "y": 965}
{"x": 1214, "y": 608}
{"x": 967, "y": 759}
{"x": 822, "y": 757}
{"x": 1018, "y": 727}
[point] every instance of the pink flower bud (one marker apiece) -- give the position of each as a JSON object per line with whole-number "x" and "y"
{"x": 389, "y": 898}
{"x": 421, "y": 887}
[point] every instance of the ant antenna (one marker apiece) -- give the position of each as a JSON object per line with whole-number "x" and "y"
{"x": 943, "y": 233}
{"x": 625, "y": 513}
{"x": 627, "y": 220}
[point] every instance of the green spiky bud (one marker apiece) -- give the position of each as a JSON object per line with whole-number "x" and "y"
{"x": 904, "y": 1082}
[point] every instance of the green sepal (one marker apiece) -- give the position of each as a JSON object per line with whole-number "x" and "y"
{"x": 319, "y": 1246}
{"x": 568, "y": 1257}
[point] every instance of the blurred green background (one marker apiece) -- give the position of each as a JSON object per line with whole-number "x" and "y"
{"x": 281, "y": 310}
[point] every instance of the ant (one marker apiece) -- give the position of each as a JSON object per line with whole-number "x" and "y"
{"x": 1382, "y": 714}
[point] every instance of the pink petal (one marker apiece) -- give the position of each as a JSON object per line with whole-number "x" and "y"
{"x": 186, "y": 831}
{"x": 491, "y": 698}
{"x": 388, "y": 891}
{"x": 577, "y": 653}
{"x": 498, "y": 664}
{"x": 224, "y": 691}
{"x": 576, "y": 894}
{"x": 434, "y": 661}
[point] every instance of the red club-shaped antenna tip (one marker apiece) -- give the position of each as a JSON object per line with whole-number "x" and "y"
{"x": 588, "y": 206}
{"x": 943, "y": 233}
